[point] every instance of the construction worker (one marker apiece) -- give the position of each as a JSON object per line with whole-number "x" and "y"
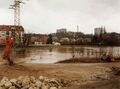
{"x": 7, "y": 50}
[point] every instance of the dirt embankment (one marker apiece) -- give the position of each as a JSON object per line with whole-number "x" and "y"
{"x": 86, "y": 60}
{"x": 77, "y": 74}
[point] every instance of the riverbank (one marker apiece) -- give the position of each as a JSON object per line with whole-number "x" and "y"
{"x": 76, "y": 74}
{"x": 50, "y": 45}
{"x": 86, "y": 60}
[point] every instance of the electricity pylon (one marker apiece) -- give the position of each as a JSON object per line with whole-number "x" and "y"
{"x": 16, "y": 8}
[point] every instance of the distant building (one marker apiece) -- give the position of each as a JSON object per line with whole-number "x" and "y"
{"x": 36, "y": 39}
{"x": 99, "y": 31}
{"x": 43, "y": 38}
{"x": 7, "y": 30}
{"x": 63, "y": 30}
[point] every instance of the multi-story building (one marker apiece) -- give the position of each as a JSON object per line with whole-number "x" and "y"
{"x": 63, "y": 30}
{"x": 8, "y": 30}
{"x": 99, "y": 31}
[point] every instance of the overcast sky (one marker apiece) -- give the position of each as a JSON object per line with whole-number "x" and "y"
{"x": 45, "y": 16}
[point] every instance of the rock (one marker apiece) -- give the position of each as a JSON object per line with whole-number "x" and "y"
{"x": 45, "y": 86}
{"x": 26, "y": 81}
{"x": 59, "y": 87}
{"x": 33, "y": 88}
{"x": 53, "y": 88}
{"x": 54, "y": 81}
{"x": 16, "y": 85}
{"x": 32, "y": 79}
{"x": 19, "y": 80}
{"x": 26, "y": 87}
{"x": 32, "y": 85}
{"x": 8, "y": 84}
{"x": 41, "y": 78}
{"x": 3, "y": 81}
{"x": 12, "y": 87}
{"x": 62, "y": 81}
{"x": 38, "y": 83}
{"x": 13, "y": 81}
{"x": 46, "y": 80}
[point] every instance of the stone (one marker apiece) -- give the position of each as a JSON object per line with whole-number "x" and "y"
{"x": 45, "y": 86}
{"x": 53, "y": 81}
{"x": 33, "y": 88}
{"x": 12, "y": 87}
{"x": 38, "y": 83}
{"x": 19, "y": 82}
{"x": 3, "y": 81}
{"x": 26, "y": 81}
{"x": 46, "y": 80}
{"x": 53, "y": 88}
{"x": 26, "y": 87}
{"x": 13, "y": 81}
{"x": 41, "y": 78}
{"x": 32, "y": 79}
{"x": 20, "y": 79}
{"x": 32, "y": 85}
{"x": 8, "y": 84}
{"x": 16, "y": 85}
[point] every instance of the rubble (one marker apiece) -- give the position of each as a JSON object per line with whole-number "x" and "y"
{"x": 30, "y": 82}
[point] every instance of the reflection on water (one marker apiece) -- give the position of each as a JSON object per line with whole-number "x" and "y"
{"x": 52, "y": 55}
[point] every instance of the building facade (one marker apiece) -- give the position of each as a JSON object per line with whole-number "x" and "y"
{"x": 8, "y": 30}
{"x": 63, "y": 30}
{"x": 36, "y": 39}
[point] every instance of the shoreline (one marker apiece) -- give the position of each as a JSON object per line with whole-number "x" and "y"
{"x": 49, "y": 45}
{"x": 86, "y": 60}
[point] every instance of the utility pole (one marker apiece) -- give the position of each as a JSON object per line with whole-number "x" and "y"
{"x": 16, "y": 8}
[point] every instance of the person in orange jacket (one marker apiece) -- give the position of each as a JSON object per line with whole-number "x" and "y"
{"x": 7, "y": 50}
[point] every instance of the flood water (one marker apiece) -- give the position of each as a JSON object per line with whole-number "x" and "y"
{"x": 55, "y": 54}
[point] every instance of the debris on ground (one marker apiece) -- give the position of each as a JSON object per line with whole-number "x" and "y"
{"x": 30, "y": 82}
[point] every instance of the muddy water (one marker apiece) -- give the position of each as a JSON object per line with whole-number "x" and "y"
{"x": 55, "y": 54}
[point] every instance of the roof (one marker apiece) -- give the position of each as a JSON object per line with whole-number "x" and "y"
{"x": 11, "y": 27}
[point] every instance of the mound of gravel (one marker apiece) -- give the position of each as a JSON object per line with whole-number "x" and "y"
{"x": 30, "y": 82}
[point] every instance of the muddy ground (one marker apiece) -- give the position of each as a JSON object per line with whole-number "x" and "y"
{"x": 86, "y": 60}
{"x": 84, "y": 75}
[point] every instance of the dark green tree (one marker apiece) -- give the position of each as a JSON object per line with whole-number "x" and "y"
{"x": 50, "y": 40}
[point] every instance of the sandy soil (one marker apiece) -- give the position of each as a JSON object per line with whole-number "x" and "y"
{"x": 76, "y": 74}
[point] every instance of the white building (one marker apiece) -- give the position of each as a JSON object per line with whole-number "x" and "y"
{"x": 99, "y": 31}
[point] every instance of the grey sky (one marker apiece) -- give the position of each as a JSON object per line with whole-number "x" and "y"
{"x": 45, "y": 16}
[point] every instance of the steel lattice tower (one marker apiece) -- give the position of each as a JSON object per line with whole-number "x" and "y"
{"x": 16, "y": 8}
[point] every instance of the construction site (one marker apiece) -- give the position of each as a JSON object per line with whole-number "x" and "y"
{"x": 32, "y": 61}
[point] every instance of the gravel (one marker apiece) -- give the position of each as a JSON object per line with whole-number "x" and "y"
{"x": 30, "y": 82}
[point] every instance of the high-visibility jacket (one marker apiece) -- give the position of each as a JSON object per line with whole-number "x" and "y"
{"x": 8, "y": 47}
